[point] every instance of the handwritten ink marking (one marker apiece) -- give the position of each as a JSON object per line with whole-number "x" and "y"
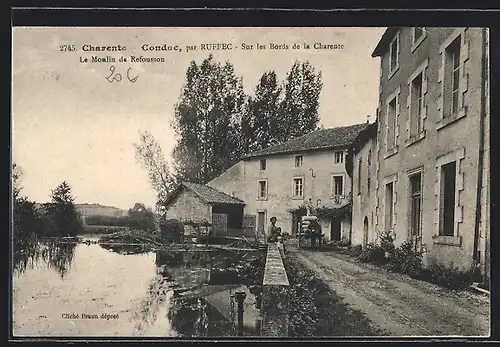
{"x": 128, "y": 76}
{"x": 118, "y": 76}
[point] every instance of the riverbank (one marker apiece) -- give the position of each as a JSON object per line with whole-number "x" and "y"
{"x": 316, "y": 310}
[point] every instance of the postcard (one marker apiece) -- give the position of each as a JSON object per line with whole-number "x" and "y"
{"x": 208, "y": 182}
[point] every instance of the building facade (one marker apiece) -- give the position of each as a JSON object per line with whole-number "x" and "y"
{"x": 361, "y": 165}
{"x": 282, "y": 180}
{"x": 197, "y": 204}
{"x": 431, "y": 152}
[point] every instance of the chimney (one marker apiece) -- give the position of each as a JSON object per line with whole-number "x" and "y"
{"x": 368, "y": 119}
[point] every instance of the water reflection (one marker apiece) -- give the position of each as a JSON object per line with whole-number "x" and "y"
{"x": 57, "y": 254}
{"x": 202, "y": 284}
{"x": 155, "y": 294}
{"x": 125, "y": 249}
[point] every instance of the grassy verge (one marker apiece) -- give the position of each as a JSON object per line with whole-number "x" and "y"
{"x": 316, "y": 310}
{"x": 101, "y": 229}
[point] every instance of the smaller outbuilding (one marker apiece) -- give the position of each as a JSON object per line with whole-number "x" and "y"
{"x": 192, "y": 203}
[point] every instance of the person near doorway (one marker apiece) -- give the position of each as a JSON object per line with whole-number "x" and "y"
{"x": 316, "y": 234}
{"x": 273, "y": 231}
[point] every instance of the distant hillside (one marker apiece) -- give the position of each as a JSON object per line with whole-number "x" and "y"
{"x": 100, "y": 210}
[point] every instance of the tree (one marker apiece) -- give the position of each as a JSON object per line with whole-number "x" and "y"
{"x": 207, "y": 121}
{"x": 150, "y": 155}
{"x": 261, "y": 123}
{"x": 141, "y": 217}
{"x": 299, "y": 107}
{"x": 16, "y": 180}
{"x": 26, "y": 224}
{"x": 62, "y": 212}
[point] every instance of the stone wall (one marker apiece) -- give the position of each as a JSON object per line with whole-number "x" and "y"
{"x": 275, "y": 312}
{"x": 188, "y": 206}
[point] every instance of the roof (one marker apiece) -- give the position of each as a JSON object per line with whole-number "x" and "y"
{"x": 338, "y": 137}
{"x": 363, "y": 136}
{"x": 207, "y": 194}
{"x": 368, "y": 133}
{"x": 384, "y": 41}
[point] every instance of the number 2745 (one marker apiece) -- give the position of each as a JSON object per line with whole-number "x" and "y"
{"x": 67, "y": 48}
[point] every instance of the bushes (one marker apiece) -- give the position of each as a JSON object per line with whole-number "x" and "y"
{"x": 447, "y": 276}
{"x": 407, "y": 260}
{"x": 171, "y": 230}
{"x": 373, "y": 253}
{"x": 355, "y": 251}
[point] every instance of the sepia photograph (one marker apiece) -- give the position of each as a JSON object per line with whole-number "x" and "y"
{"x": 250, "y": 182}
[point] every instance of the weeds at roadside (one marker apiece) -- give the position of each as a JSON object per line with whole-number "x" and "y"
{"x": 315, "y": 310}
{"x": 406, "y": 259}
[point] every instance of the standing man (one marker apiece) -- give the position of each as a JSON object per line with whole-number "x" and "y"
{"x": 316, "y": 232}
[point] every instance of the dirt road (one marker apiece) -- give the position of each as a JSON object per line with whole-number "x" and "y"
{"x": 397, "y": 304}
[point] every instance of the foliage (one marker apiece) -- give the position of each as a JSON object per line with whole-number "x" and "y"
{"x": 373, "y": 253}
{"x": 114, "y": 221}
{"x": 141, "y": 218}
{"x": 171, "y": 230}
{"x": 299, "y": 107}
{"x": 447, "y": 276}
{"x": 355, "y": 250}
{"x": 406, "y": 259}
{"x": 63, "y": 215}
{"x": 211, "y": 104}
{"x": 315, "y": 310}
{"x": 386, "y": 241}
{"x": 150, "y": 155}
{"x": 260, "y": 123}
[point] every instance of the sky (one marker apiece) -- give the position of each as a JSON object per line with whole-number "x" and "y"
{"x": 70, "y": 123}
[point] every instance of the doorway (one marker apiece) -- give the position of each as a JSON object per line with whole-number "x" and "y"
{"x": 261, "y": 220}
{"x": 365, "y": 232}
{"x": 335, "y": 230}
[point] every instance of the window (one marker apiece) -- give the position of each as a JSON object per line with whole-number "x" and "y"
{"x": 418, "y": 34}
{"x": 368, "y": 171}
{"x": 262, "y": 189}
{"x": 452, "y": 78}
{"x": 394, "y": 54}
{"x": 360, "y": 163}
{"x": 298, "y": 160}
{"x": 392, "y": 122}
{"x": 447, "y": 206}
{"x": 338, "y": 157}
{"x": 298, "y": 187}
{"x": 263, "y": 164}
{"x": 415, "y": 181}
{"x": 338, "y": 185}
{"x": 417, "y": 105}
{"x": 389, "y": 206}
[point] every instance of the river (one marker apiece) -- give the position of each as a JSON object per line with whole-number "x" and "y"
{"x": 80, "y": 290}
